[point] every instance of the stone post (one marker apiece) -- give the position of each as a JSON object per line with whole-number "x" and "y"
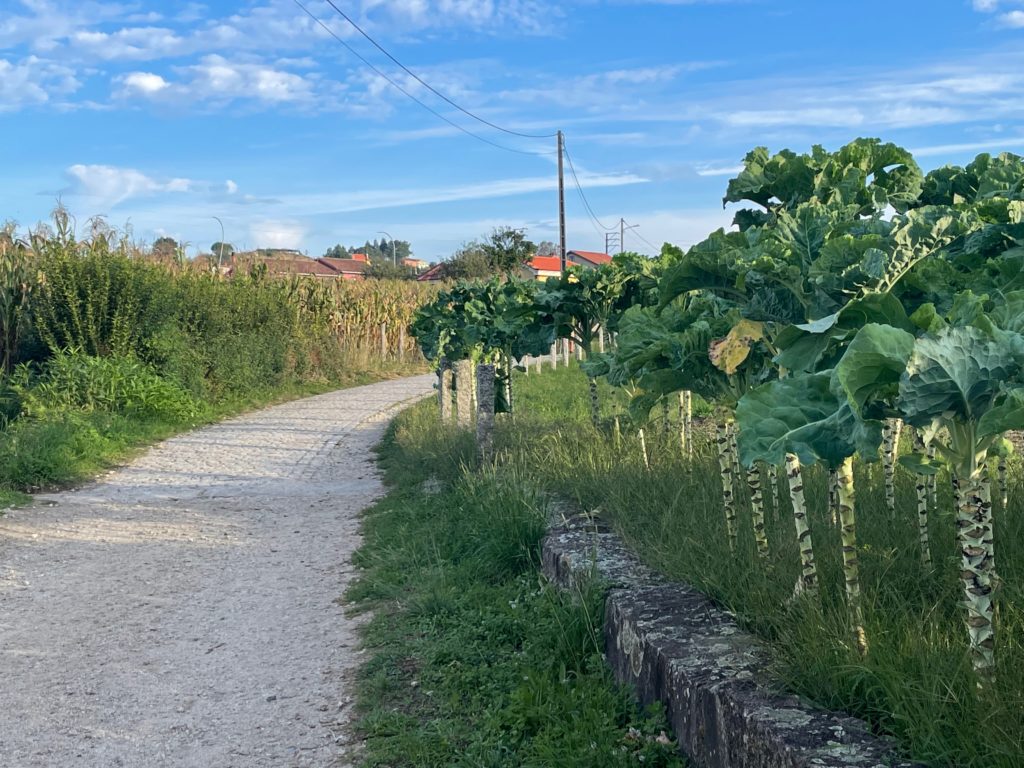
{"x": 554, "y": 354}
{"x": 565, "y": 352}
{"x": 444, "y": 389}
{"x": 485, "y": 412}
{"x": 464, "y": 393}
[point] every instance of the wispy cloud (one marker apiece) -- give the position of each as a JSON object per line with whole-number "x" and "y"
{"x": 939, "y": 150}
{"x": 107, "y": 186}
{"x": 217, "y": 81}
{"x": 34, "y": 81}
{"x": 1006, "y": 15}
{"x": 370, "y": 199}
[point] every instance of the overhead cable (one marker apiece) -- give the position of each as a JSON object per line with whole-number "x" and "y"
{"x": 431, "y": 88}
{"x": 426, "y": 106}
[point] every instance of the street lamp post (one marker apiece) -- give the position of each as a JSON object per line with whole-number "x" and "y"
{"x": 394, "y": 258}
{"x": 220, "y": 256}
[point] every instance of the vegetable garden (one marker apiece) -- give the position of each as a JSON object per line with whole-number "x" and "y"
{"x": 857, "y": 340}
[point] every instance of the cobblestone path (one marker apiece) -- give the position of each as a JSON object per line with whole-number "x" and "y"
{"x": 183, "y": 610}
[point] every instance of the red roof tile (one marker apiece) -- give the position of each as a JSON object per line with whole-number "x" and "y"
{"x": 436, "y": 272}
{"x": 594, "y": 257}
{"x": 545, "y": 263}
{"x": 301, "y": 266}
{"x": 344, "y": 265}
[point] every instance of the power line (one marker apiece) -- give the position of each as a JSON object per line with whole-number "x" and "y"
{"x": 583, "y": 197}
{"x": 431, "y": 88}
{"x": 655, "y": 247}
{"x": 427, "y": 107}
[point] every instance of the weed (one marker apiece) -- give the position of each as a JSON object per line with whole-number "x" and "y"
{"x": 477, "y": 662}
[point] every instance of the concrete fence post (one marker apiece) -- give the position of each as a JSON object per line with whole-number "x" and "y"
{"x": 464, "y": 393}
{"x": 554, "y": 354}
{"x": 565, "y": 352}
{"x": 383, "y": 341}
{"x": 444, "y": 389}
{"x": 485, "y": 411}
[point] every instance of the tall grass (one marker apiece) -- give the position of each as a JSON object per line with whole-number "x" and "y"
{"x": 916, "y": 681}
{"x": 114, "y": 347}
{"x": 472, "y": 661}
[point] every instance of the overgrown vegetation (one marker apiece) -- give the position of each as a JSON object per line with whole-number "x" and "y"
{"x": 476, "y": 661}
{"x": 105, "y": 347}
{"x": 917, "y": 681}
{"x": 856, "y": 300}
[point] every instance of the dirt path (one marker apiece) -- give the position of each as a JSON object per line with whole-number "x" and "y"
{"x": 181, "y": 612}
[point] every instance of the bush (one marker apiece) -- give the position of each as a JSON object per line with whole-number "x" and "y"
{"x": 72, "y": 381}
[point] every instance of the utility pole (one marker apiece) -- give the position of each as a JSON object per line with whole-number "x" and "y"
{"x": 622, "y": 233}
{"x": 561, "y": 203}
{"x": 610, "y": 239}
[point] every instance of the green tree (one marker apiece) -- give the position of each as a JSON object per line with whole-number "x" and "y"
{"x": 507, "y": 249}
{"x": 336, "y": 252}
{"x": 470, "y": 262}
{"x": 222, "y": 250}
{"x": 165, "y": 248}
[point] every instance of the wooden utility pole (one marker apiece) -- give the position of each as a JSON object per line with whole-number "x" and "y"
{"x": 561, "y": 203}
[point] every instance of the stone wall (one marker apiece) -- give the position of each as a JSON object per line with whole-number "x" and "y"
{"x": 672, "y": 644}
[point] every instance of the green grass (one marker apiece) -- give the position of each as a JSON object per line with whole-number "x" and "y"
{"x": 916, "y": 681}
{"x": 64, "y": 446}
{"x": 9, "y": 499}
{"x": 475, "y": 661}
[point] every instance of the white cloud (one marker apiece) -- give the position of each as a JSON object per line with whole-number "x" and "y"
{"x": 374, "y": 199}
{"x": 529, "y": 16}
{"x": 216, "y": 81}
{"x": 1014, "y": 19}
{"x": 108, "y": 185}
{"x": 985, "y": 6}
{"x": 940, "y": 150}
{"x": 731, "y": 170}
{"x": 231, "y": 187}
{"x": 277, "y": 233}
{"x": 143, "y": 83}
{"x": 130, "y": 43}
{"x": 33, "y": 81}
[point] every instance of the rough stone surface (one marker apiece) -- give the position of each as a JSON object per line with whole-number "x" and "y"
{"x": 675, "y": 646}
{"x": 485, "y": 411}
{"x": 183, "y": 611}
{"x": 465, "y": 387}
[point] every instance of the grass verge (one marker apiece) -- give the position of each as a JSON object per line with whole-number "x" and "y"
{"x": 475, "y": 661}
{"x": 915, "y": 683}
{"x": 63, "y": 447}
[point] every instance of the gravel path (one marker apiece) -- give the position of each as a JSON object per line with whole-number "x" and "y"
{"x": 183, "y": 610}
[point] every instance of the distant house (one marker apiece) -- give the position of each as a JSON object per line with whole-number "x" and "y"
{"x": 587, "y": 259}
{"x": 280, "y": 262}
{"x": 543, "y": 267}
{"x": 416, "y": 265}
{"x": 352, "y": 268}
{"x": 433, "y": 274}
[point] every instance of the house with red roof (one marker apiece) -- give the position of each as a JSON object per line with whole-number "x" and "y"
{"x": 587, "y": 259}
{"x": 352, "y": 268}
{"x": 543, "y": 267}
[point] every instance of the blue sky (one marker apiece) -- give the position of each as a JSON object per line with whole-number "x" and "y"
{"x": 163, "y": 115}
